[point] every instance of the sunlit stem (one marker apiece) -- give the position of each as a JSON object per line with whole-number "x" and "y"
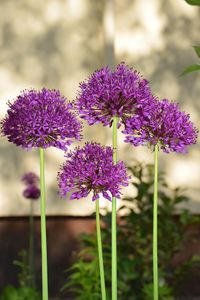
{"x": 31, "y": 245}
{"x": 100, "y": 252}
{"x": 43, "y": 229}
{"x": 155, "y": 226}
{"x": 114, "y": 217}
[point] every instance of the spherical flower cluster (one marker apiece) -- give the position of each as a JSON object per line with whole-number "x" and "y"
{"x": 30, "y": 178}
{"x": 41, "y": 119}
{"x": 112, "y": 93}
{"x": 164, "y": 125}
{"x": 91, "y": 169}
{"x": 32, "y": 190}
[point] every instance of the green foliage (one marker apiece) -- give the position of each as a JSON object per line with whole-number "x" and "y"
{"x": 84, "y": 273}
{"x": 25, "y": 291}
{"x": 191, "y": 69}
{"x": 193, "y": 2}
{"x": 197, "y": 48}
{"x": 165, "y": 292}
{"x": 134, "y": 243}
{"x": 194, "y": 67}
{"x": 24, "y": 276}
{"x": 22, "y": 293}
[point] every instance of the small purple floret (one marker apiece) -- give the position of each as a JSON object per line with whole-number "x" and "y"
{"x": 41, "y": 119}
{"x": 164, "y": 124}
{"x": 91, "y": 169}
{"x": 109, "y": 93}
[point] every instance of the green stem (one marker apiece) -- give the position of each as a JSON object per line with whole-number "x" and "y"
{"x": 31, "y": 245}
{"x": 114, "y": 217}
{"x": 100, "y": 252}
{"x": 43, "y": 229}
{"x": 155, "y": 226}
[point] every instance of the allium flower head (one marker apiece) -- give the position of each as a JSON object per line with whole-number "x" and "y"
{"x": 41, "y": 119}
{"x": 112, "y": 93}
{"x": 30, "y": 178}
{"x": 91, "y": 169}
{"x": 32, "y": 191}
{"x": 164, "y": 125}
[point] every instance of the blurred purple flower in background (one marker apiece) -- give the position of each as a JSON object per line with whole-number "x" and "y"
{"x": 41, "y": 119}
{"x": 91, "y": 169}
{"x": 31, "y": 181}
{"x": 31, "y": 192}
{"x": 109, "y": 93}
{"x": 163, "y": 124}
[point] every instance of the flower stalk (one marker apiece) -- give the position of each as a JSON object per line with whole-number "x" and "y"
{"x": 100, "y": 252}
{"x": 114, "y": 217}
{"x": 31, "y": 245}
{"x": 155, "y": 226}
{"x": 43, "y": 228}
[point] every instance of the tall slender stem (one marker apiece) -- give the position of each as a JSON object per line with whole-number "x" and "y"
{"x": 43, "y": 228}
{"x": 155, "y": 226}
{"x": 31, "y": 245}
{"x": 100, "y": 252}
{"x": 114, "y": 217}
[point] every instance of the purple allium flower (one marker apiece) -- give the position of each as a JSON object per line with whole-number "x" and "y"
{"x": 41, "y": 119}
{"x": 112, "y": 93}
{"x": 30, "y": 179}
{"x": 31, "y": 192}
{"x": 164, "y": 125}
{"x": 91, "y": 169}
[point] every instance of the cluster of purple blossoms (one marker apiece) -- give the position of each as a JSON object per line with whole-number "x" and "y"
{"x": 32, "y": 190}
{"x": 107, "y": 93}
{"x": 91, "y": 169}
{"x": 164, "y": 125}
{"x": 30, "y": 179}
{"x": 41, "y": 119}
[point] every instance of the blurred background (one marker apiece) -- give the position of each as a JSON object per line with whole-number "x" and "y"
{"x": 59, "y": 43}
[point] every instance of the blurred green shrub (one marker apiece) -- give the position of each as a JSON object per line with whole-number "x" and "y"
{"x": 21, "y": 293}
{"x": 24, "y": 291}
{"x": 134, "y": 243}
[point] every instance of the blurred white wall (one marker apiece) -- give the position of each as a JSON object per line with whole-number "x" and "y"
{"x": 58, "y": 43}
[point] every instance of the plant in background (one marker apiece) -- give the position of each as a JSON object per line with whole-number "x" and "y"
{"x": 24, "y": 276}
{"x": 134, "y": 243}
{"x": 41, "y": 119}
{"x": 110, "y": 97}
{"x": 25, "y": 290}
{"x": 91, "y": 169}
{"x": 165, "y": 127}
{"x": 193, "y": 2}
{"x": 83, "y": 275}
{"x": 31, "y": 181}
{"x": 31, "y": 192}
{"x": 194, "y": 67}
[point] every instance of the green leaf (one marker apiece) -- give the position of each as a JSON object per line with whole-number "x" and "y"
{"x": 9, "y": 293}
{"x": 190, "y": 69}
{"x": 193, "y": 2}
{"x": 197, "y": 50}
